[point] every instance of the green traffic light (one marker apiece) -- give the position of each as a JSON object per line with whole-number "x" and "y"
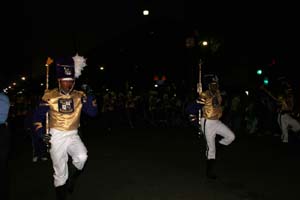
{"x": 259, "y": 71}
{"x": 266, "y": 81}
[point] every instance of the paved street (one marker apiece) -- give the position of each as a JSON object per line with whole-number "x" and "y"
{"x": 165, "y": 164}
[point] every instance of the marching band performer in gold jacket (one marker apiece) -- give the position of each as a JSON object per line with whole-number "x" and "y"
{"x": 64, "y": 106}
{"x": 285, "y": 101}
{"x": 210, "y": 121}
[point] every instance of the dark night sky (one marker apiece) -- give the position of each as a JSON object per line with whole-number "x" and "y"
{"x": 61, "y": 29}
{"x": 251, "y": 32}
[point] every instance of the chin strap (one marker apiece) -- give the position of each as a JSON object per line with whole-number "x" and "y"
{"x": 62, "y": 91}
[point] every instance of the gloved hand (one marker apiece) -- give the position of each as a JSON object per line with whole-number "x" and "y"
{"x": 87, "y": 89}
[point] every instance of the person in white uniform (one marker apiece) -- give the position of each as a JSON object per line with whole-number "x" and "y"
{"x": 210, "y": 121}
{"x": 285, "y": 101}
{"x": 64, "y": 106}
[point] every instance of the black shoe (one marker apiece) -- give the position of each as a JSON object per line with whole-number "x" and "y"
{"x": 72, "y": 180}
{"x": 61, "y": 192}
{"x": 210, "y": 169}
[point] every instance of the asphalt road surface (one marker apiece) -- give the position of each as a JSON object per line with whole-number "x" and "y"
{"x": 164, "y": 164}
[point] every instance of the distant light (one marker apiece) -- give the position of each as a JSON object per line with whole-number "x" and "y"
{"x": 42, "y": 84}
{"x": 9, "y": 87}
{"x": 155, "y": 85}
{"x": 145, "y": 12}
{"x": 14, "y": 83}
{"x": 259, "y": 72}
{"x": 23, "y": 78}
{"x": 247, "y": 92}
{"x": 204, "y": 43}
{"x": 131, "y": 87}
{"x": 266, "y": 81}
{"x": 107, "y": 89}
{"x": 101, "y": 68}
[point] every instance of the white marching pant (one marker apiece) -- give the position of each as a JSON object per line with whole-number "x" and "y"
{"x": 287, "y": 122}
{"x": 211, "y": 128}
{"x": 63, "y": 144}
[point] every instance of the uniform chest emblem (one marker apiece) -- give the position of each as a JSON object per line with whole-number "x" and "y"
{"x": 65, "y": 105}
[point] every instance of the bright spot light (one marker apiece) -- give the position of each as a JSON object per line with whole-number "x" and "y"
{"x": 259, "y": 72}
{"x": 145, "y": 12}
{"x": 266, "y": 81}
{"x": 204, "y": 43}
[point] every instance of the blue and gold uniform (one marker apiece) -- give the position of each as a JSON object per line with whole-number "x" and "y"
{"x": 212, "y": 108}
{"x": 65, "y": 110}
{"x": 285, "y": 101}
{"x": 211, "y": 125}
{"x": 285, "y": 120}
{"x": 63, "y": 106}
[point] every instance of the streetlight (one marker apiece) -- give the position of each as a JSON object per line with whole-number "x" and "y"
{"x": 145, "y": 12}
{"x": 204, "y": 43}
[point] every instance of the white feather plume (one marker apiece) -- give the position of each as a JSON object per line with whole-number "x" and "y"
{"x": 79, "y": 64}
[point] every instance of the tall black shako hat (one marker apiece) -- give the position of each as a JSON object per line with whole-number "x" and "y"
{"x": 69, "y": 68}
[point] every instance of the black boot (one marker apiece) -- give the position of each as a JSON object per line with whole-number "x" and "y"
{"x": 61, "y": 192}
{"x": 210, "y": 169}
{"x": 73, "y": 179}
